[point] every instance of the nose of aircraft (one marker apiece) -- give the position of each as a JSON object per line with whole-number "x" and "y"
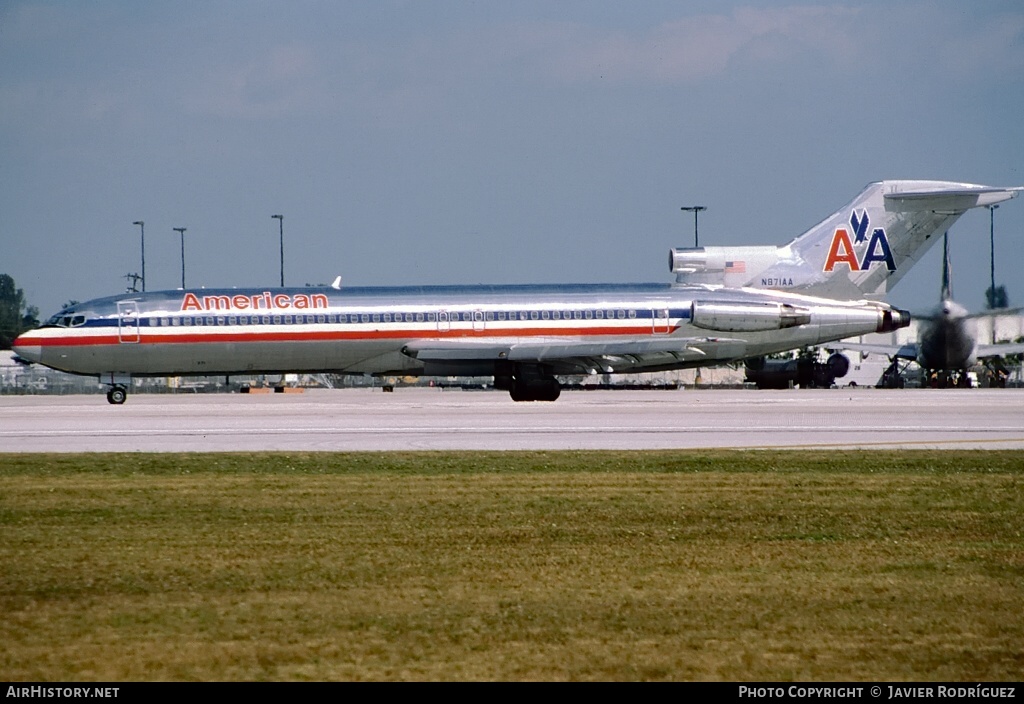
{"x": 27, "y": 348}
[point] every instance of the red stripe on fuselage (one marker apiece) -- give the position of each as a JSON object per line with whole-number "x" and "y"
{"x": 192, "y": 337}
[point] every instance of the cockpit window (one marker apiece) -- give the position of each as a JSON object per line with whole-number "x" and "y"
{"x": 65, "y": 319}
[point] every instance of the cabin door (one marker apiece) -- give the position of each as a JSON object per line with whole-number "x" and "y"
{"x": 127, "y": 321}
{"x": 659, "y": 321}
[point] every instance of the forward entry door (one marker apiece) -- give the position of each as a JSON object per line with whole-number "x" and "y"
{"x": 127, "y": 321}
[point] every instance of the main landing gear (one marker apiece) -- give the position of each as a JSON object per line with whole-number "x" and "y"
{"x": 527, "y": 382}
{"x": 117, "y": 395}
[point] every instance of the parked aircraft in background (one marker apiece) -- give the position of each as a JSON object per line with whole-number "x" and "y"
{"x": 804, "y": 371}
{"x": 753, "y": 302}
{"x": 945, "y": 348}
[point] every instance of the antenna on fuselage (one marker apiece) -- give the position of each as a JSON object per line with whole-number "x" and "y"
{"x": 133, "y": 286}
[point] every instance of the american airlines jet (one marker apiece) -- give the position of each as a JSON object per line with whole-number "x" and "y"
{"x": 727, "y": 304}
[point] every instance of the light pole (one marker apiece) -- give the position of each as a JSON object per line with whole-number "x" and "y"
{"x": 992, "y": 264}
{"x": 696, "y": 243}
{"x": 280, "y": 223}
{"x": 695, "y": 209}
{"x": 181, "y": 231}
{"x": 142, "y": 228}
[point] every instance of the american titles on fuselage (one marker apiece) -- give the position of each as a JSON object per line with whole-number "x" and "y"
{"x": 843, "y": 250}
{"x": 265, "y": 300}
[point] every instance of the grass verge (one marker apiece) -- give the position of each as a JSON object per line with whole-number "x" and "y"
{"x": 513, "y": 566}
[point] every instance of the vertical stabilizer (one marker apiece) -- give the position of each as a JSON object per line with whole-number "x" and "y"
{"x": 860, "y": 251}
{"x": 947, "y": 271}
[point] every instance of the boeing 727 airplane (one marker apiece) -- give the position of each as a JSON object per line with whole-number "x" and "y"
{"x": 728, "y": 304}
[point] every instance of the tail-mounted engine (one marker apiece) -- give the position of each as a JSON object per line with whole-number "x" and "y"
{"x": 747, "y": 317}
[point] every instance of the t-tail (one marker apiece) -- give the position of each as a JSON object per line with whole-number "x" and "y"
{"x": 860, "y": 251}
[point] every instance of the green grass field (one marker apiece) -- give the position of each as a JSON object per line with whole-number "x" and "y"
{"x": 513, "y": 566}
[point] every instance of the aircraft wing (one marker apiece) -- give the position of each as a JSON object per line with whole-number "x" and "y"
{"x": 905, "y": 351}
{"x": 999, "y": 350}
{"x": 570, "y": 357}
{"x": 991, "y": 313}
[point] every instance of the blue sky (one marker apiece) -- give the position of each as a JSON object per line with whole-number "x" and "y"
{"x": 486, "y": 142}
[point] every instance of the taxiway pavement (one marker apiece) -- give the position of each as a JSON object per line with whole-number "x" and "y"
{"x": 432, "y": 419}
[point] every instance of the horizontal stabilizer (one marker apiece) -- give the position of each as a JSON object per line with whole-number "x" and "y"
{"x": 948, "y": 199}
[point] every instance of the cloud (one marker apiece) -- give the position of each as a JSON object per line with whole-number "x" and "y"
{"x": 277, "y": 83}
{"x": 702, "y": 46}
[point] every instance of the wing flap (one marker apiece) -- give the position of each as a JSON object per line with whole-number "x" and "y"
{"x": 643, "y": 352}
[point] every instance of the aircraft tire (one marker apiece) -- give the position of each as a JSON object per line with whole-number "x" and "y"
{"x": 548, "y": 390}
{"x": 117, "y": 396}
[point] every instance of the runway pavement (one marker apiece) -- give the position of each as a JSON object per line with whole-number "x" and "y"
{"x": 431, "y": 419}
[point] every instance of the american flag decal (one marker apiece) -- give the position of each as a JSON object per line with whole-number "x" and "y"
{"x": 735, "y": 267}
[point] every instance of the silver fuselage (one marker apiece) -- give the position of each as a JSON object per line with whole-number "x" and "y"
{"x": 573, "y": 329}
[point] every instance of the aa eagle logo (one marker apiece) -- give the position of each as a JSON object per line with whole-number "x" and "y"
{"x": 843, "y": 250}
